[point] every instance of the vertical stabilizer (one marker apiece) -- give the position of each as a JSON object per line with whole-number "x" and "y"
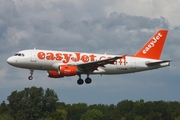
{"x": 153, "y": 48}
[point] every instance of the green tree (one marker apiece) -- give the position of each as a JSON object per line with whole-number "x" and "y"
{"x": 76, "y": 110}
{"x": 139, "y": 118}
{"x": 6, "y": 117}
{"x": 4, "y": 108}
{"x": 177, "y": 118}
{"x": 160, "y": 109}
{"x": 5, "y": 112}
{"x": 59, "y": 115}
{"x": 108, "y": 111}
{"x": 174, "y": 109}
{"x": 32, "y": 103}
{"x": 93, "y": 114}
{"x": 125, "y": 109}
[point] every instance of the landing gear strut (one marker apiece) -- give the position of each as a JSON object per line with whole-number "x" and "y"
{"x": 31, "y": 73}
{"x": 80, "y": 81}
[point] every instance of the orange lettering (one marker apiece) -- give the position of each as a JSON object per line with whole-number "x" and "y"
{"x": 92, "y": 57}
{"x": 77, "y": 58}
{"x": 41, "y": 55}
{"x": 50, "y": 56}
{"x": 102, "y": 57}
{"x": 123, "y": 60}
{"x": 67, "y": 58}
{"x": 115, "y": 63}
{"x": 58, "y": 56}
{"x": 85, "y": 58}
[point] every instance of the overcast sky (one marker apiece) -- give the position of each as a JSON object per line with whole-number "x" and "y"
{"x": 99, "y": 26}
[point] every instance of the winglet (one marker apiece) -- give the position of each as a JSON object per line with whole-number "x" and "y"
{"x": 153, "y": 48}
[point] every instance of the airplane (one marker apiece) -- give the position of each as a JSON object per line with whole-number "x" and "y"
{"x": 59, "y": 64}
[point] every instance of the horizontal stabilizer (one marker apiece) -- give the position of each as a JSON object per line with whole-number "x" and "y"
{"x": 158, "y": 62}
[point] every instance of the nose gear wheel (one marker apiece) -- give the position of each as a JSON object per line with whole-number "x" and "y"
{"x": 30, "y": 77}
{"x": 31, "y": 73}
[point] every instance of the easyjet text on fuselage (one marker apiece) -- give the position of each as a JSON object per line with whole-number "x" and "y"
{"x": 74, "y": 57}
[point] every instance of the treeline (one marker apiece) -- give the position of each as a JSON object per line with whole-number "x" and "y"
{"x": 39, "y": 104}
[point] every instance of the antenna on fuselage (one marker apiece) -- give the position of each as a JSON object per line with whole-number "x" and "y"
{"x": 35, "y": 48}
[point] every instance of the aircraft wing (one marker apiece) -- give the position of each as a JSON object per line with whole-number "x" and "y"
{"x": 91, "y": 66}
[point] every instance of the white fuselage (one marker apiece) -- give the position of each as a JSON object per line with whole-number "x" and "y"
{"x": 50, "y": 60}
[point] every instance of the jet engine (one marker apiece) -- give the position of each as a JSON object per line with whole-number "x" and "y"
{"x": 64, "y": 70}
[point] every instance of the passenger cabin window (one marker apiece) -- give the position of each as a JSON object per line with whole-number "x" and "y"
{"x": 19, "y": 54}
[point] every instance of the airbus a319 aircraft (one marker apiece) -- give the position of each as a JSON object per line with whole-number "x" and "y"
{"x": 59, "y": 64}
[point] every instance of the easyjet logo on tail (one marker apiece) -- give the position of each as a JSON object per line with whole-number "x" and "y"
{"x": 153, "y": 48}
{"x": 152, "y": 43}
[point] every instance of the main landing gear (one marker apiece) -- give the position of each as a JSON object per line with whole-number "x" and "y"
{"x": 31, "y": 73}
{"x": 80, "y": 81}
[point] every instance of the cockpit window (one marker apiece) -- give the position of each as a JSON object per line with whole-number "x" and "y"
{"x": 19, "y": 54}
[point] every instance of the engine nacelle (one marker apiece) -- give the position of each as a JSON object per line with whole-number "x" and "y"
{"x": 54, "y": 74}
{"x": 64, "y": 70}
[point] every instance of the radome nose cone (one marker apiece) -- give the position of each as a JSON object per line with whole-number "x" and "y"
{"x": 10, "y": 60}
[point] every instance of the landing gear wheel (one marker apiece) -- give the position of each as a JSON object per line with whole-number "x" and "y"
{"x": 80, "y": 81}
{"x": 30, "y": 77}
{"x": 31, "y": 73}
{"x": 88, "y": 80}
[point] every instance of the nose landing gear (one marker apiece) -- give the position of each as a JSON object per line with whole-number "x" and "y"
{"x": 31, "y": 73}
{"x": 30, "y": 77}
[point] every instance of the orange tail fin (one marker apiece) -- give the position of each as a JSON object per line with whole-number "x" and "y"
{"x": 153, "y": 48}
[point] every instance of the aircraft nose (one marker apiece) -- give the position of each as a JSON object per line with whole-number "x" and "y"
{"x": 11, "y": 60}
